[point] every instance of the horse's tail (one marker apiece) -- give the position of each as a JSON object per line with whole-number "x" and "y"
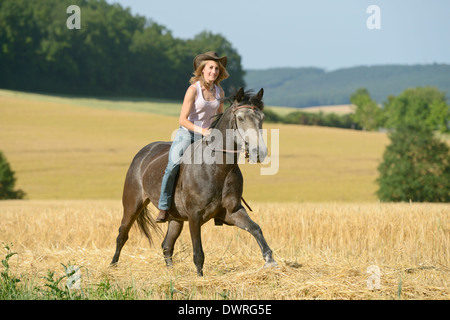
{"x": 145, "y": 220}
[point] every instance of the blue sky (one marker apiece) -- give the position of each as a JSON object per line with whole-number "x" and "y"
{"x": 328, "y": 34}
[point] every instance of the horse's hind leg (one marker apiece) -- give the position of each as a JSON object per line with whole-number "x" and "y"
{"x": 173, "y": 232}
{"x": 131, "y": 210}
{"x": 241, "y": 219}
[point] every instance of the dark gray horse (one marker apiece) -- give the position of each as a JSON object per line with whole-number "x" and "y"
{"x": 205, "y": 189}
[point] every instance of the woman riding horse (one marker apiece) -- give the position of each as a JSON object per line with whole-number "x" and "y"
{"x": 203, "y": 190}
{"x": 203, "y": 99}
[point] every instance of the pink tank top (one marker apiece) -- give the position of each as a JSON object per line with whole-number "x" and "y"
{"x": 203, "y": 110}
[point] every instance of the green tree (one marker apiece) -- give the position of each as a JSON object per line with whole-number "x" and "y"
{"x": 418, "y": 107}
{"x": 415, "y": 166}
{"x": 151, "y": 69}
{"x": 7, "y": 181}
{"x": 367, "y": 114}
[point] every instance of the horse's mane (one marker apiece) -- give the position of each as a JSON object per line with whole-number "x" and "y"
{"x": 250, "y": 98}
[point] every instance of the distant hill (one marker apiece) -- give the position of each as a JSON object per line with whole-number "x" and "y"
{"x": 305, "y": 87}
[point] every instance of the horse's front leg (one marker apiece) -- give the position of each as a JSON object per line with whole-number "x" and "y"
{"x": 241, "y": 219}
{"x": 199, "y": 256}
{"x": 173, "y": 232}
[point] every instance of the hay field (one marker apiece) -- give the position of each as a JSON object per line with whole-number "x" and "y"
{"x": 66, "y": 148}
{"x": 323, "y": 251}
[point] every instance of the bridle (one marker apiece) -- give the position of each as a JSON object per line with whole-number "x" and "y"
{"x": 235, "y": 127}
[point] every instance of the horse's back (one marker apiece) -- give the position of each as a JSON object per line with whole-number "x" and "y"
{"x": 152, "y": 149}
{"x": 148, "y": 164}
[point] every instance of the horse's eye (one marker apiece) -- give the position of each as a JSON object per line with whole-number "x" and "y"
{"x": 240, "y": 119}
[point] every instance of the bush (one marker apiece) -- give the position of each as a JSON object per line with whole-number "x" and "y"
{"x": 7, "y": 181}
{"x": 415, "y": 166}
{"x": 271, "y": 117}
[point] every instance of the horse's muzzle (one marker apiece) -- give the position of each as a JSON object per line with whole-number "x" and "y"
{"x": 257, "y": 155}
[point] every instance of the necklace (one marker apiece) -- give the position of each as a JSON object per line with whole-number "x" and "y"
{"x": 210, "y": 87}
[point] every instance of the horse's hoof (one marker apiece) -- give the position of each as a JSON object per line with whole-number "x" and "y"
{"x": 271, "y": 264}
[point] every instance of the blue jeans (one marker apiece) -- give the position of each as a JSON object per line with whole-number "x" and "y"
{"x": 182, "y": 141}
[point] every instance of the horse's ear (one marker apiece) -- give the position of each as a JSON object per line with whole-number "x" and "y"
{"x": 260, "y": 94}
{"x": 240, "y": 95}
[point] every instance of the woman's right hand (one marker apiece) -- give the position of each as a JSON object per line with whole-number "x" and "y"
{"x": 206, "y": 132}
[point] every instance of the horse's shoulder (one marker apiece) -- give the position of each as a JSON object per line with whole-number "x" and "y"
{"x": 232, "y": 189}
{"x": 233, "y": 178}
{"x": 236, "y": 171}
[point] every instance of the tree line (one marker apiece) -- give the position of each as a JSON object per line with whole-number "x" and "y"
{"x": 114, "y": 53}
{"x": 344, "y": 121}
{"x": 424, "y": 106}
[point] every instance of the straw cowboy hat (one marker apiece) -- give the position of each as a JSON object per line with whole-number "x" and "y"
{"x": 210, "y": 55}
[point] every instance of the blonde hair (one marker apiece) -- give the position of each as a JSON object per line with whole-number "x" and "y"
{"x": 198, "y": 75}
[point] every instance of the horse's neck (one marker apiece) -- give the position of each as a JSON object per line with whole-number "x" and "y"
{"x": 224, "y": 126}
{"x": 224, "y": 144}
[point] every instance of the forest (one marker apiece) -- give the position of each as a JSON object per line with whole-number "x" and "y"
{"x": 114, "y": 53}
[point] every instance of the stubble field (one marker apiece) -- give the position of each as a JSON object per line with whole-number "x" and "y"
{"x": 323, "y": 251}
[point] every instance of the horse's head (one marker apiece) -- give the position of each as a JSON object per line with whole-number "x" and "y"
{"x": 247, "y": 120}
